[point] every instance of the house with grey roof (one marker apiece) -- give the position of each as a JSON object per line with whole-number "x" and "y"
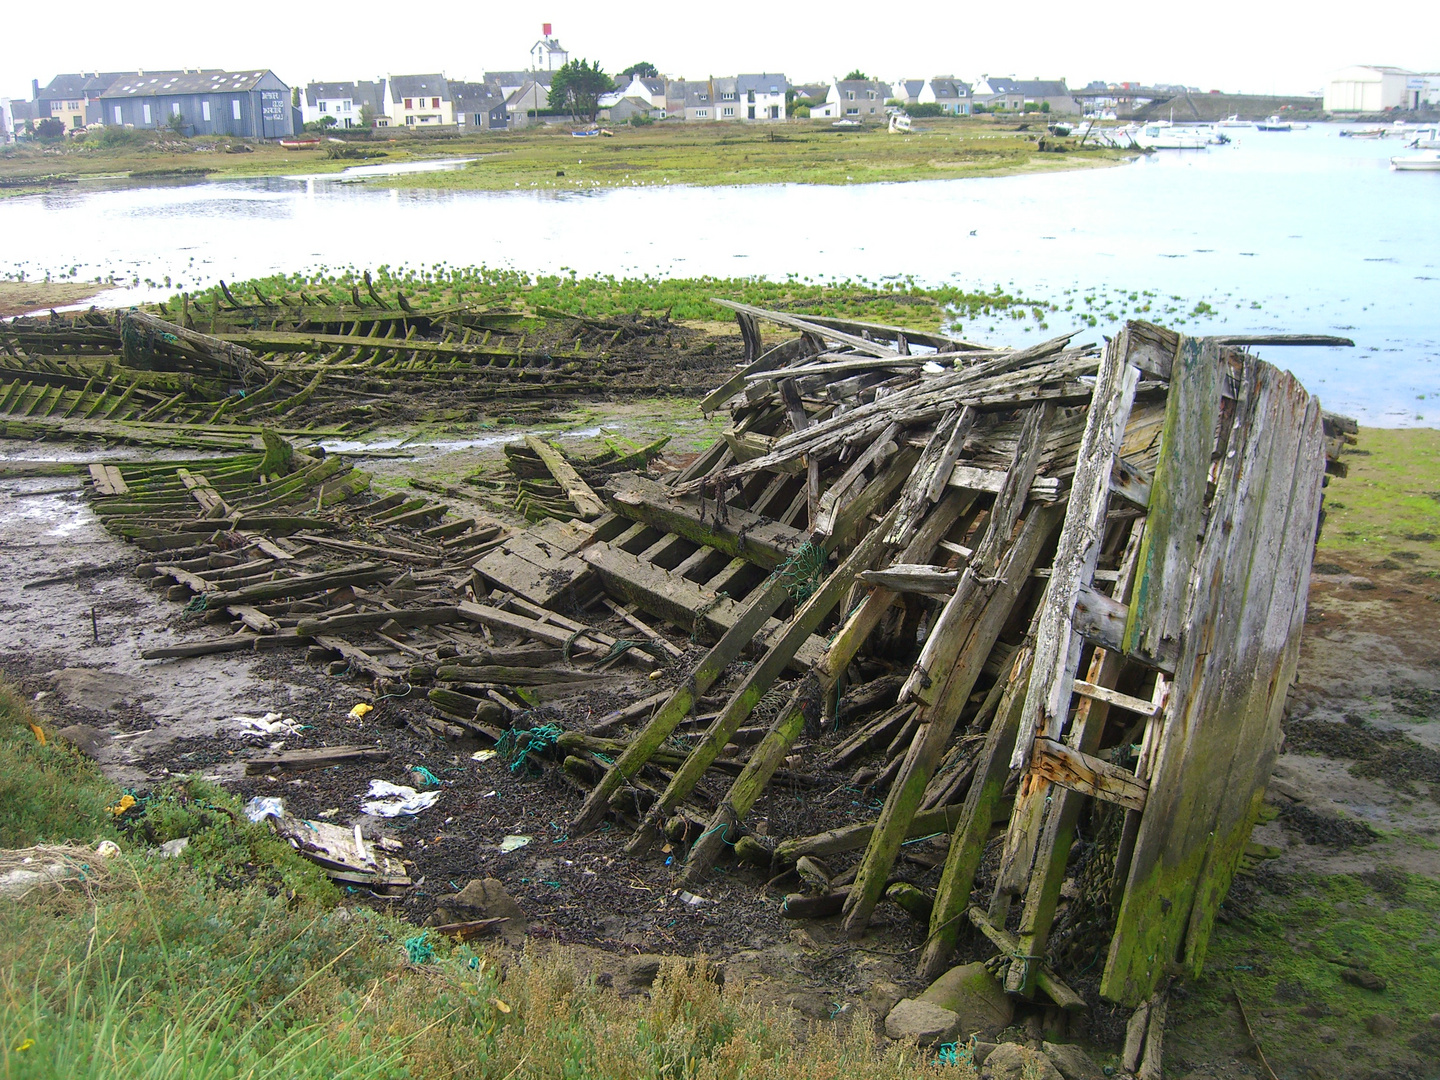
{"x": 855, "y": 99}
{"x": 528, "y": 98}
{"x": 419, "y": 101}
{"x": 479, "y": 106}
{"x": 251, "y": 104}
{"x": 948, "y": 92}
{"x": 651, "y": 89}
{"x": 342, "y": 101}
{"x": 1008, "y": 94}
{"x": 547, "y": 54}
{"x": 74, "y": 98}
{"x": 762, "y": 96}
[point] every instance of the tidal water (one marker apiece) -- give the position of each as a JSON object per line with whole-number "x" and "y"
{"x": 1286, "y": 232}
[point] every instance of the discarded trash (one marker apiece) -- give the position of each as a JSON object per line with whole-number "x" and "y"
{"x": 425, "y": 776}
{"x": 272, "y": 723}
{"x": 392, "y": 800}
{"x": 172, "y": 848}
{"x": 26, "y": 869}
{"x": 359, "y": 711}
{"x": 263, "y": 806}
{"x": 125, "y": 803}
{"x": 691, "y": 899}
{"x": 500, "y": 1005}
{"x": 330, "y": 813}
{"x": 513, "y": 843}
{"x": 483, "y": 755}
{"x": 418, "y": 948}
{"x": 39, "y": 734}
{"x": 107, "y": 849}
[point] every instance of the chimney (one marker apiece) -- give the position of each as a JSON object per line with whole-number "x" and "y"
{"x": 34, "y": 89}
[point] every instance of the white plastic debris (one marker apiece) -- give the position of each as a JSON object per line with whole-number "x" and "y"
{"x": 931, "y": 368}
{"x": 513, "y": 843}
{"x": 107, "y": 849}
{"x": 263, "y": 806}
{"x": 392, "y": 800}
{"x": 172, "y": 848}
{"x": 691, "y": 899}
{"x": 272, "y": 723}
{"x": 483, "y": 755}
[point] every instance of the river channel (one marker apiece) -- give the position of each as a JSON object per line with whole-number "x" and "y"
{"x": 1302, "y": 231}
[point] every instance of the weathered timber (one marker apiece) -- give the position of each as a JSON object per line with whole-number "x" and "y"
{"x": 742, "y": 534}
{"x": 322, "y": 757}
{"x": 586, "y": 502}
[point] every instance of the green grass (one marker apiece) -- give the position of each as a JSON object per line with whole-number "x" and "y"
{"x": 661, "y": 154}
{"x": 901, "y": 302}
{"x": 237, "y": 960}
{"x": 1390, "y": 501}
{"x": 1285, "y": 960}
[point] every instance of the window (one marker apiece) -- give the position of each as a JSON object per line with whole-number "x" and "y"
{"x": 435, "y": 103}
{"x": 119, "y": 115}
{"x": 726, "y": 95}
{"x": 751, "y": 112}
{"x": 235, "y": 108}
{"x": 205, "y": 111}
{"x": 345, "y": 106}
{"x": 174, "y": 108}
{"x": 701, "y": 114}
{"x": 750, "y": 96}
{"x": 870, "y": 94}
{"x": 408, "y": 104}
{"x": 727, "y": 111}
{"x": 849, "y": 95}
{"x": 324, "y": 106}
{"x": 852, "y": 112}
{"x": 147, "y": 113}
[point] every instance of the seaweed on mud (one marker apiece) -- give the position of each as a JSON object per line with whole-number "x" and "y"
{"x": 1328, "y": 830}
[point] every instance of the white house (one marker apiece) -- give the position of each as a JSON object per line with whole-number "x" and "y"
{"x": 1372, "y": 89}
{"x": 343, "y": 101}
{"x": 547, "y": 53}
{"x": 649, "y": 89}
{"x": 762, "y": 96}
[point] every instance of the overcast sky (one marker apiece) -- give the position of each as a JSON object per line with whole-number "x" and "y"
{"x": 1259, "y": 46}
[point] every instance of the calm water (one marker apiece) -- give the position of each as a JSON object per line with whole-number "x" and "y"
{"x": 1302, "y": 231}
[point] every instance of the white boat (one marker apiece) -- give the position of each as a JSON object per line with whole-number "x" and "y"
{"x": 1425, "y": 161}
{"x": 1425, "y": 139}
{"x": 1273, "y": 124}
{"x": 1163, "y": 136}
{"x": 899, "y": 123}
{"x": 1233, "y": 120}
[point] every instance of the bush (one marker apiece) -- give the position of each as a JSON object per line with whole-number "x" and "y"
{"x": 112, "y": 137}
{"x": 50, "y": 128}
{"x": 801, "y": 112}
{"x": 930, "y": 108}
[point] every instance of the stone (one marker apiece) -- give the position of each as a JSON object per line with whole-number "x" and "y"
{"x": 1073, "y": 1063}
{"x": 1366, "y": 980}
{"x": 974, "y": 995}
{"x": 922, "y": 1022}
{"x": 1011, "y": 1061}
{"x": 881, "y": 997}
{"x": 483, "y": 899}
{"x": 85, "y": 738}
{"x": 1381, "y": 1025}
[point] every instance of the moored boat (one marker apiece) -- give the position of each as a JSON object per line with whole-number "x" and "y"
{"x": 1273, "y": 124}
{"x": 1425, "y": 161}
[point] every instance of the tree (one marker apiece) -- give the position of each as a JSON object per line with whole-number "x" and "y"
{"x": 367, "y": 115}
{"x": 644, "y": 69}
{"x": 857, "y": 76}
{"x": 295, "y": 96}
{"x": 50, "y": 128}
{"x": 576, "y": 89}
{"x": 176, "y": 124}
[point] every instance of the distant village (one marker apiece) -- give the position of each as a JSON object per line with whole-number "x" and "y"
{"x": 258, "y": 104}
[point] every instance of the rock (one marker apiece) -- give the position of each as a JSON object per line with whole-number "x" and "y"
{"x": 882, "y": 997}
{"x": 1073, "y": 1063}
{"x": 1366, "y": 980}
{"x": 1381, "y": 1025}
{"x": 483, "y": 899}
{"x": 922, "y": 1022}
{"x": 1327, "y": 1034}
{"x": 1010, "y": 1061}
{"x": 88, "y": 740}
{"x": 1435, "y": 1020}
{"x": 973, "y": 994}
{"x": 171, "y": 848}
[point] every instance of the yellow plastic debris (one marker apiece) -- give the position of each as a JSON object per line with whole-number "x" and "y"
{"x": 38, "y": 733}
{"x": 500, "y": 1005}
{"x": 28, "y": 1043}
{"x": 359, "y": 711}
{"x": 125, "y": 803}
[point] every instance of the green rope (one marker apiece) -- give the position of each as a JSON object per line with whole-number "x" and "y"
{"x": 426, "y": 775}
{"x": 517, "y": 744}
{"x": 705, "y": 609}
{"x": 198, "y": 602}
{"x": 803, "y": 572}
{"x": 418, "y": 949}
{"x": 624, "y": 645}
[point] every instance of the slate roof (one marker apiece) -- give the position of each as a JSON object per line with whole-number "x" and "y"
{"x": 949, "y": 88}
{"x": 861, "y": 87}
{"x": 362, "y": 93}
{"x": 763, "y": 83}
{"x": 77, "y": 85}
{"x": 195, "y": 82}
{"x": 473, "y": 97}
{"x": 519, "y": 78}
{"x": 1031, "y": 88}
{"x": 910, "y": 88}
{"x": 414, "y": 86}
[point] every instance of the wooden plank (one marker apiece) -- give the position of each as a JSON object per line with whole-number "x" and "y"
{"x": 1177, "y": 504}
{"x": 117, "y": 482}
{"x": 321, "y": 757}
{"x": 853, "y": 837}
{"x": 1089, "y": 775}
{"x": 742, "y": 534}
{"x": 971, "y": 478}
{"x": 100, "y": 478}
{"x": 914, "y": 577}
{"x": 542, "y": 575}
{"x": 1139, "y": 706}
{"x": 1230, "y": 684}
{"x": 1051, "y": 983}
{"x": 368, "y": 620}
{"x": 586, "y": 502}
{"x": 1047, "y": 702}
